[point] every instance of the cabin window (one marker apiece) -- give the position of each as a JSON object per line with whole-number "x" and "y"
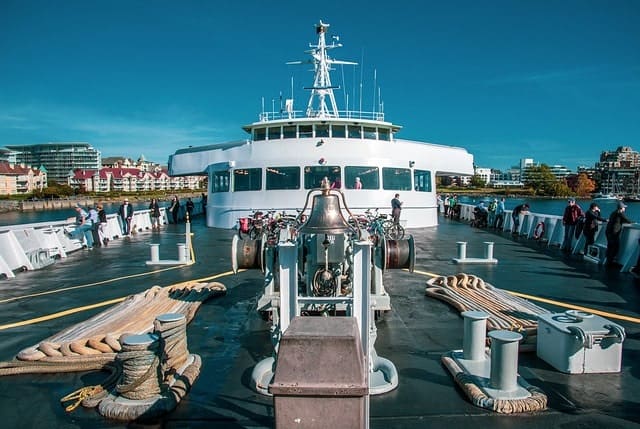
{"x": 338, "y": 131}
{"x": 355, "y": 131}
{"x": 289, "y": 132}
{"x": 397, "y": 179}
{"x": 283, "y": 178}
{"x": 220, "y": 181}
{"x": 274, "y": 133}
{"x": 369, "y": 177}
{"x": 313, "y": 176}
{"x": 384, "y": 134}
{"x": 369, "y": 133}
{"x": 259, "y": 134}
{"x": 305, "y": 131}
{"x": 247, "y": 179}
{"x": 322, "y": 130}
{"x": 422, "y": 180}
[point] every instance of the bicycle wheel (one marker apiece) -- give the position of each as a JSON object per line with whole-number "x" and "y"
{"x": 394, "y": 231}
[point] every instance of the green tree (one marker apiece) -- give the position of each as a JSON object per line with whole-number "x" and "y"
{"x": 477, "y": 182}
{"x": 540, "y": 179}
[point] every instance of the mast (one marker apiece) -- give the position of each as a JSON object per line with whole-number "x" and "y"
{"x": 322, "y": 102}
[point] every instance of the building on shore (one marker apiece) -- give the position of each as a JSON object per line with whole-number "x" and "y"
{"x": 19, "y": 179}
{"x": 57, "y": 158}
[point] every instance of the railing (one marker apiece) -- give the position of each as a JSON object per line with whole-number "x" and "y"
{"x": 298, "y": 114}
{"x": 37, "y": 245}
{"x": 554, "y": 234}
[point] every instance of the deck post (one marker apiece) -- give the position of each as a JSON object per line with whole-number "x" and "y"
{"x": 475, "y": 329}
{"x": 504, "y": 360}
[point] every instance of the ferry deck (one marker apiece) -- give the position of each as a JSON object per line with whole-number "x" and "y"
{"x": 231, "y": 337}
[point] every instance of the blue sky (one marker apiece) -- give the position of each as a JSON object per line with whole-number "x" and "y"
{"x": 557, "y": 81}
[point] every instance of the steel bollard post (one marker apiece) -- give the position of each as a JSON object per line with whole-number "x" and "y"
{"x": 462, "y": 249}
{"x": 475, "y": 329}
{"x": 488, "y": 250}
{"x": 504, "y": 360}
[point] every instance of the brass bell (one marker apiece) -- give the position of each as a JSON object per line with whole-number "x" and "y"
{"x": 326, "y": 216}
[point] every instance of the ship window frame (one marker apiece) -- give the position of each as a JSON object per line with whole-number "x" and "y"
{"x": 369, "y": 176}
{"x": 254, "y": 182}
{"x": 277, "y": 130}
{"x": 259, "y": 134}
{"x": 351, "y": 131}
{"x": 313, "y": 180}
{"x": 390, "y": 181}
{"x": 341, "y": 134}
{"x": 384, "y": 134}
{"x": 369, "y": 133}
{"x": 220, "y": 181}
{"x": 325, "y": 130}
{"x": 268, "y": 175}
{"x": 419, "y": 185}
{"x": 305, "y": 131}
{"x": 289, "y": 132}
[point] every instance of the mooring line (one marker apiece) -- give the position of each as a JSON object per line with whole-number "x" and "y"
{"x": 559, "y": 303}
{"x": 99, "y": 304}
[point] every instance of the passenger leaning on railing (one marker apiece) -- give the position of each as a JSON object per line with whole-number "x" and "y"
{"x": 572, "y": 213}
{"x": 515, "y": 216}
{"x": 613, "y": 231}
{"x": 591, "y": 218}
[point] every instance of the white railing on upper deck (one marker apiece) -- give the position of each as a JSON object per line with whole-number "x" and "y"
{"x": 342, "y": 114}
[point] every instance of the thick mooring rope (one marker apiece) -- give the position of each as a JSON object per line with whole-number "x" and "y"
{"x": 467, "y": 292}
{"x": 468, "y": 383}
{"x": 140, "y": 370}
{"x": 91, "y": 344}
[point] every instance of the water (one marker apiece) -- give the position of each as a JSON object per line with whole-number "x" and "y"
{"x": 538, "y": 205}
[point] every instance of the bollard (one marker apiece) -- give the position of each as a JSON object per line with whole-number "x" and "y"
{"x": 182, "y": 252}
{"x": 475, "y": 329}
{"x": 140, "y": 370}
{"x": 172, "y": 328}
{"x": 462, "y": 249}
{"x": 155, "y": 252}
{"x": 504, "y": 360}
{"x": 488, "y": 250}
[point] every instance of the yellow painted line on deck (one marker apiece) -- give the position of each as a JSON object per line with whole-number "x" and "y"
{"x": 102, "y": 282}
{"x": 60, "y": 314}
{"x": 558, "y": 303}
{"x": 100, "y": 304}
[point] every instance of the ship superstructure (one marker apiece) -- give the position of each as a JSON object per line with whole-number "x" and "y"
{"x": 289, "y": 152}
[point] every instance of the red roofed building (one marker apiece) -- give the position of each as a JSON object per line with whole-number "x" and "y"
{"x": 121, "y": 179}
{"x": 17, "y": 179}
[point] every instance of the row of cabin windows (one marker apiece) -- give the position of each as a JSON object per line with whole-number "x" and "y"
{"x": 320, "y": 131}
{"x": 355, "y": 177}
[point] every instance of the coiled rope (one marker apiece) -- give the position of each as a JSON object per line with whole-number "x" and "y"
{"x": 140, "y": 368}
{"x": 467, "y": 292}
{"x": 91, "y": 344}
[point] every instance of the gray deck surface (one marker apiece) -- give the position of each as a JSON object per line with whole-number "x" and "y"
{"x": 230, "y": 336}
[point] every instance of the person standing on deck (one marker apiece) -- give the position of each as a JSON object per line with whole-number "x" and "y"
{"x": 396, "y": 208}
{"x": 102, "y": 217}
{"x": 126, "y": 214}
{"x": 515, "y": 216}
{"x": 499, "y": 215}
{"x": 591, "y": 218}
{"x": 569, "y": 219}
{"x": 189, "y": 206}
{"x": 154, "y": 211}
{"x": 613, "y": 231}
{"x": 174, "y": 208}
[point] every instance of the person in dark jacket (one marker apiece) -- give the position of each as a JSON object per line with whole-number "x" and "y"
{"x": 126, "y": 214}
{"x": 189, "y": 207}
{"x": 569, "y": 219}
{"x": 613, "y": 231}
{"x": 515, "y": 217}
{"x": 154, "y": 212}
{"x": 174, "y": 208}
{"x": 591, "y": 218}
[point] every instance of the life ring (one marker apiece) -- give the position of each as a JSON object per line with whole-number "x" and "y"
{"x": 538, "y": 232}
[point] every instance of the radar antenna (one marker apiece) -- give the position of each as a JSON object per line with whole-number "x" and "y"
{"x": 322, "y": 88}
